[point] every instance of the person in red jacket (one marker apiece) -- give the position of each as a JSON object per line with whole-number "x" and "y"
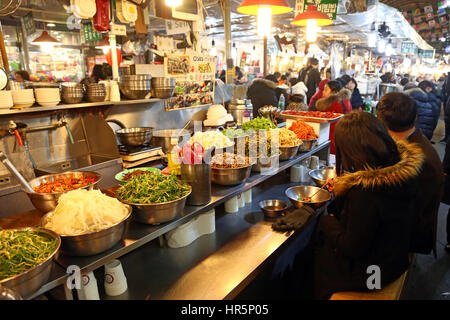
{"x": 335, "y": 99}
{"x": 317, "y": 95}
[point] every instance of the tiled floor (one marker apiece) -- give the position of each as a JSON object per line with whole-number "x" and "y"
{"x": 430, "y": 277}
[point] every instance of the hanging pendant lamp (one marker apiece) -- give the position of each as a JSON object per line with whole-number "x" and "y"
{"x": 251, "y": 6}
{"x": 45, "y": 39}
{"x": 311, "y": 13}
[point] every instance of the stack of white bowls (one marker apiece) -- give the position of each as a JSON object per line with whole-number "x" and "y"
{"x": 23, "y": 98}
{"x": 6, "y": 100}
{"x": 47, "y": 97}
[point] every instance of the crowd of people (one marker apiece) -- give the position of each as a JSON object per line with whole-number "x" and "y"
{"x": 390, "y": 182}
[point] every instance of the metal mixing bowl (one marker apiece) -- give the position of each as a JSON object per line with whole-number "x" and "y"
{"x": 320, "y": 176}
{"x": 28, "y": 282}
{"x": 134, "y": 136}
{"x": 158, "y": 213}
{"x": 162, "y": 92}
{"x": 166, "y": 138}
{"x": 273, "y": 208}
{"x": 309, "y": 144}
{"x": 260, "y": 164}
{"x": 46, "y": 202}
{"x": 287, "y": 153}
{"x": 92, "y": 243}
{"x": 230, "y": 176}
{"x": 297, "y": 193}
{"x": 159, "y": 82}
{"x": 135, "y": 91}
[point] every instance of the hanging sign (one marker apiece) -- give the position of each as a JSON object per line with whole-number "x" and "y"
{"x": 28, "y": 23}
{"x": 195, "y": 75}
{"x": 176, "y": 27}
{"x": 326, "y": 6}
{"x": 409, "y": 47}
{"x": 427, "y": 54}
{"x": 118, "y": 29}
{"x": 89, "y": 33}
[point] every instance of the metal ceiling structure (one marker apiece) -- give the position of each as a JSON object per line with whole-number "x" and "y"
{"x": 408, "y": 5}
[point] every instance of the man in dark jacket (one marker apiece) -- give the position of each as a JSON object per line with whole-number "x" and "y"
{"x": 434, "y": 96}
{"x": 398, "y": 112}
{"x": 263, "y": 92}
{"x": 310, "y": 77}
{"x": 446, "y": 197}
{"x": 425, "y": 118}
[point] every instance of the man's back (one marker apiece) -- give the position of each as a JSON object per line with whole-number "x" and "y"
{"x": 423, "y": 239}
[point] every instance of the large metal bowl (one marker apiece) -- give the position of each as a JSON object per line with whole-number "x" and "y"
{"x": 273, "y": 208}
{"x": 134, "y": 136}
{"x": 287, "y": 153}
{"x": 134, "y": 93}
{"x": 163, "y": 92}
{"x": 46, "y": 202}
{"x": 230, "y": 176}
{"x": 92, "y": 243}
{"x": 309, "y": 144}
{"x": 263, "y": 164}
{"x": 297, "y": 193}
{"x": 159, "y": 82}
{"x": 320, "y": 176}
{"x": 166, "y": 138}
{"x": 28, "y": 282}
{"x": 157, "y": 213}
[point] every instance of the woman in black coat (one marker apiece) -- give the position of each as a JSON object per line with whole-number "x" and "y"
{"x": 446, "y": 196}
{"x": 263, "y": 92}
{"x": 370, "y": 226}
{"x": 356, "y": 100}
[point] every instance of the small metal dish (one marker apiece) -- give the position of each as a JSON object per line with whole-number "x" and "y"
{"x": 297, "y": 194}
{"x": 273, "y": 208}
{"x": 320, "y": 176}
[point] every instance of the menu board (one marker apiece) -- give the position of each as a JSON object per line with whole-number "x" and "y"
{"x": 195, "y": 75}
{"x": 328, "y": 7}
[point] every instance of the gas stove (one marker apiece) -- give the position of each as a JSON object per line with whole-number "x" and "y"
{"x": 141, "y": 153}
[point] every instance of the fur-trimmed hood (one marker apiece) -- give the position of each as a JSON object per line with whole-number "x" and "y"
{"x": 268, "y": 83}
{"x": 326, "y": 103}
{"x": 409, "y": 166}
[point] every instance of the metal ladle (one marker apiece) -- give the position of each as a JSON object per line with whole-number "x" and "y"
{"x": 16, "y": 173}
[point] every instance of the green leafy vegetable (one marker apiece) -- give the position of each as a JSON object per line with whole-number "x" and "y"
{"x": 22, "y": 250}
{"x": 259, "y": 123}
{"x": 153, "y": 188}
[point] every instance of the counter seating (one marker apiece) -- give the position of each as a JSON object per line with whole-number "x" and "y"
{"x": 392, "y": 291}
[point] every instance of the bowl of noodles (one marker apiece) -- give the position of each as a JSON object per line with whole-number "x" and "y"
{"x": 289, "y": 144}
{"x": 88, "y": 222}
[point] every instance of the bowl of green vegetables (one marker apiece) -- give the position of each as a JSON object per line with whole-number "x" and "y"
{"x": 155, "y": 198}
{"x": 26, "y": 257}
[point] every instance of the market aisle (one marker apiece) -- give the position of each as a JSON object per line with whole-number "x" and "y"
{"x": 430, "y": 277}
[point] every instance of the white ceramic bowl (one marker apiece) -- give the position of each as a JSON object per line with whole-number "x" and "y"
{"x": 47, "y": 94}
{"x": 49, "y": 103}
{"x": 6, "y": 100}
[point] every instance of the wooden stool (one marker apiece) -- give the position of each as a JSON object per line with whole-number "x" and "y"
{"x": 392, "y": 291}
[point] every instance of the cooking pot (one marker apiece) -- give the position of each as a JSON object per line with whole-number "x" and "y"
{"x": 132, "y": 137}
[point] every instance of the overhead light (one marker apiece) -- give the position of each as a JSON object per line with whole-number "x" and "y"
{"x": 312, "y": 19}
{"x": 173, "y": 3}
{"x": 381, "y": 45}
{"x": 213, "y": 50}
{"x": 389, "y": 49}
{"x": 45, "y": 39}
{"x": 104, "y": 45}
{"x": 51, "y": 25}
{"x": 264, "y": 10}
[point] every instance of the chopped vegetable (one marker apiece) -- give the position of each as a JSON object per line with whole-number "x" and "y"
{"x": 153, "y": 189}
{"x": 22, "y": 250}
{"x": 259, "y": 123}
{"x": 303, "y": 130}
{"x": 63, "y": 184}
{"x": 288, "y": 138}
{"x": 229, "y": 161}
{"x": 312, "y": 114}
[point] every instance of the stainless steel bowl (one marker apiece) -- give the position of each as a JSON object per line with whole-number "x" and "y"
{"x": 95, "y": 98}
{"x": 320, "y": 176}
{"x": 133, "y": 94}
{"x": 28, "y": 282}
{"x": 273, "y": 208}
{"x": 92, "y": 243}
{"x": 134, "y": 136}
{"x": 158, "y": 213}
{"x": 70, "y": 99}
{"x": 46, "y": 202}
{"x": 163, "y": 92}
{"x": 309, "y": 144}
{"x": 136, "y": 77}
{"x": 297, "y": 193}
{"x": 163, "y": 82}
{"x": 166, "y": 138}
{"x": 230, "y": 177}
{"x": 287, "y": 153}
{"x": 267, "y": 163}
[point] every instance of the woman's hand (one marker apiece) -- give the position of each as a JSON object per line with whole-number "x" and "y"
{"x": 330, "y": 184}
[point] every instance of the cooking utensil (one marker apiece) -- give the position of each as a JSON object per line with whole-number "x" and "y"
{"x": 30, "y": 281}
{"x": 158, "y": 213}
{"x": 273, "y": 208}
{"x": 198, "y": 176}
{"x": 134, "y": 136}
{"x": 230, "y": 176}
{"x": 16, "y": 173}
{"x": 166, "y": 138}
{"x": 46, "y": 202}
{"x": 320, "y": 176}
{"x": 92, "y": 243}
{"x": 297, "y": 195}
{"x": 191, "y": 154}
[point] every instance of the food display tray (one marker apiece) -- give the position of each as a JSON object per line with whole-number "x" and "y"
{"x": 312, "y": 119}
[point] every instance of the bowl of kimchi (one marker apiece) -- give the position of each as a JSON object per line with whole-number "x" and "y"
{"x": 48, "y": 188}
